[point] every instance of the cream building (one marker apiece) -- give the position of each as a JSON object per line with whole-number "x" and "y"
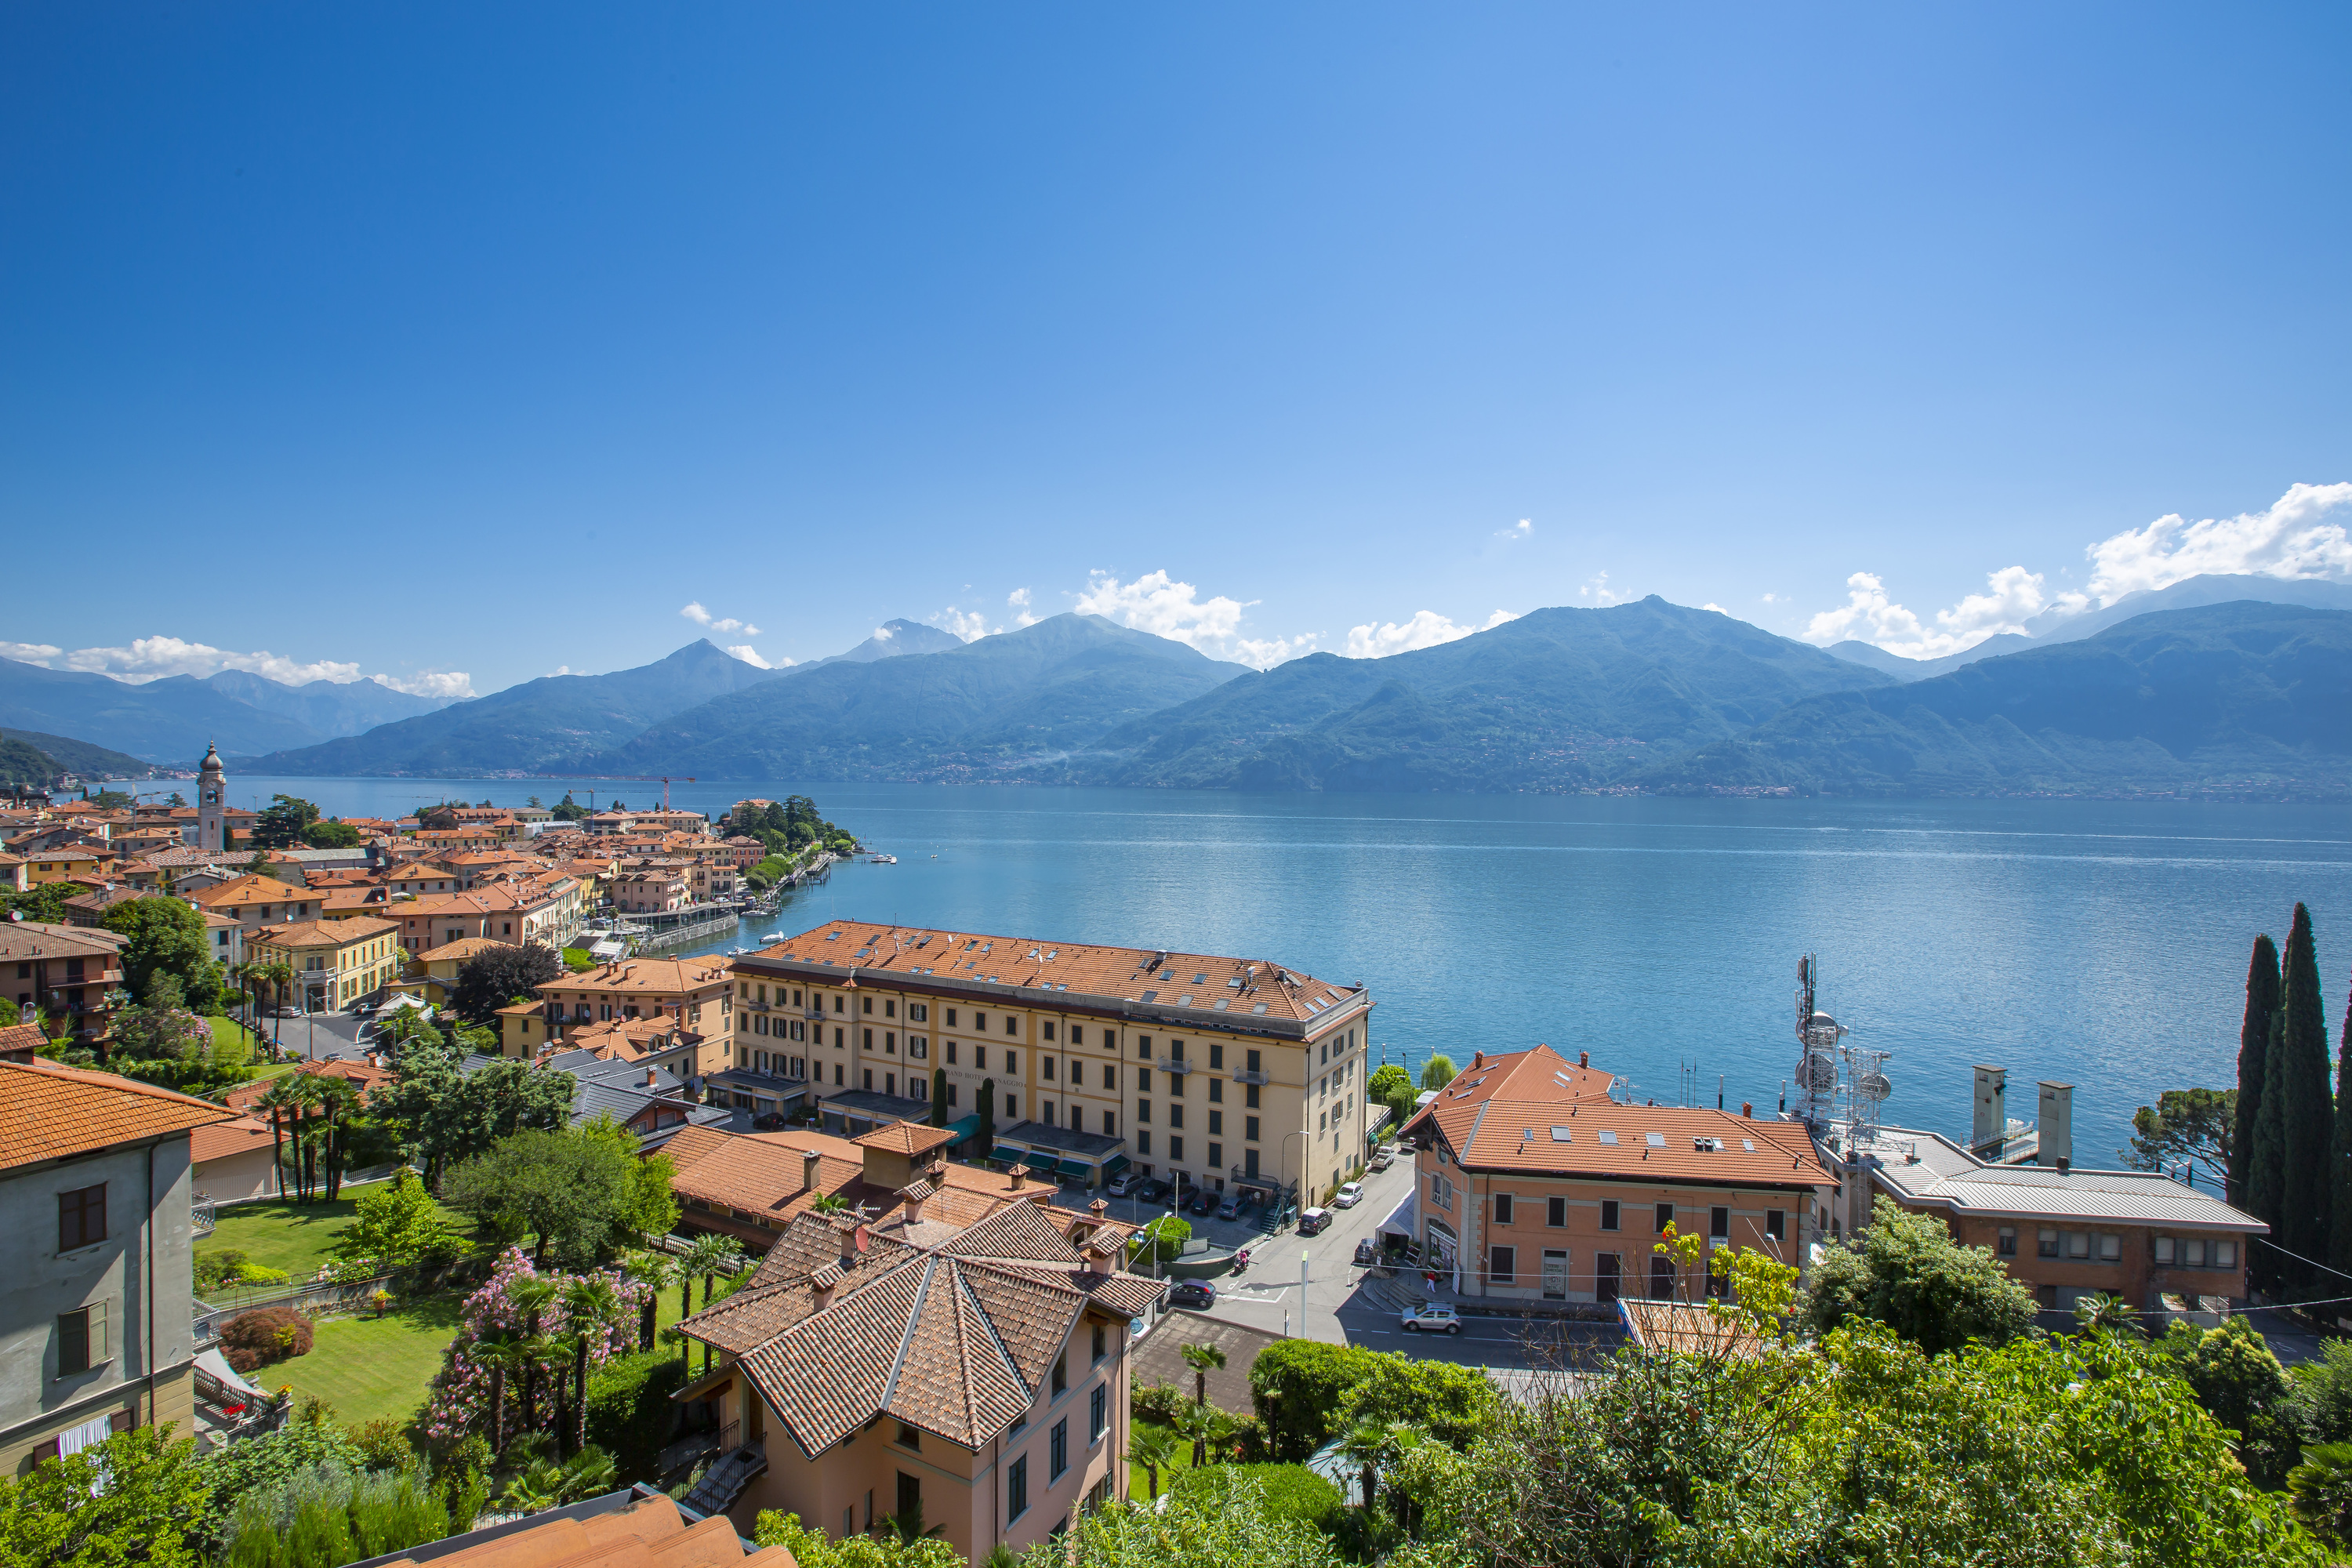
{"x": 335, "y": 963}
{"x": 1208, "y": 1071}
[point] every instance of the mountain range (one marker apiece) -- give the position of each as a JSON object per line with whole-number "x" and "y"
{"x": 2249, "y": 696}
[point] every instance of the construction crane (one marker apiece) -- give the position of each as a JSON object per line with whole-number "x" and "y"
{"x": 619, "y": 778}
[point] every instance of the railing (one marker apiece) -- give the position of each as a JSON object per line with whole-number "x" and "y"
{"x": 1252, "y": 1075}
{"x": 1175, "y": 1065}
{"x": 209, "y": 1317}
{"x": 202, "y": 1220}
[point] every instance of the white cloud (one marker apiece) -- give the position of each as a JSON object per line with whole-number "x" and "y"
{"x": 971, "y": 626}
{"x": 1520, "y": 530}
{"x": 1018, "y": 600}
{"x": 750, "y": 655}
{"x": 1157, "y": 604}
{"x": 29, "y": 652}
{"x": 454, "y": 684}
{"x": 1598, "y": 590}
{"x": 559, "y": 670}
{"x": 701, "y": 617}
{"x": 2012, "y": 596}
{"x": 1427, "y": 629}
{"x": 883, "y": 634}
{"x": 1771, "y": 598}
{"x": 2291, "y": 539}
{"x": 1718, "y": 609}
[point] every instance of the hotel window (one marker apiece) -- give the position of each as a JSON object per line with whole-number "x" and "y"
{"x": 869, "y": 1081}
{"x": 1144, "y": 1110}
{"x": 1665, "y": 1217}
{"x": 1216, "y": 1121}
{"x": 1776, "y": 1223}
{"x": 1718, "y": 1222}
{"x": 1608, "y": 1214}
{"x": 1142, "y": 1141}
{"x": 1216, "y": 1154}
{"x": 1254, "y": 1062}
{"x": 836, "y": 1003}
{"x": 1095, "y": 1404}
{"x": 1216, "y": 1092}
{"x": 889, "y": 1007}
{"x": 1502, "y": 1208}
{"x": 1016, "y": 1488}
{"x": 1047, "y": 1114}
{"x": 952, "y": 1017}
{"x": 1011, "y": 1107}
{"x": 1012, "y": 1024}
{"x": 1175, "y": 1148}
{"x": 952, "y": 1093}
{"x": 81, "y": 1218}
{"x": 1046, "y": 1030}
{"x": 2005, "y": 1244}
{"x": 1058, "y": 1450}
{"x": 951, "y": 1053}
{"x": 1175, "y": 1115}
{"x": 1046, "y": 1066}
{"x": 1249, "y": 1096}
{"x": 1110, "y": 1123}
{"x": 1011, "y": 1061}
{"x": 866, "y": 1006}
{"x": 1502, "y": 1264}
{"x": 980, "y": 1020}
{"x": 980, "y": 1058}
{"x": 1111, "y": 1077}
{"x": 890, "y": 1042}
{"x": 1249, "y": 1128}
{"x": 1556, "y": 1212}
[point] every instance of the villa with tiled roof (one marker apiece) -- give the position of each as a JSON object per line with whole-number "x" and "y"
{"x": 979, "y": 1369}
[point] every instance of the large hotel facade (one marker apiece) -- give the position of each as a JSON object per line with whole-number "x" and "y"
{"x": 1203, "y": 1071}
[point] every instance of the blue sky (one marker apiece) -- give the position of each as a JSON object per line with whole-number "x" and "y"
{"x": 439, "y": 342}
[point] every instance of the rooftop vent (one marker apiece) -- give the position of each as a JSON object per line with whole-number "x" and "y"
{"x": 1704, "y": 1145}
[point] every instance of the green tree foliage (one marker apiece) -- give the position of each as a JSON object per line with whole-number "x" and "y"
{"x": 812, "y": 1547}
{"x": 325, "y": 1518}
{"x": 1437, "y": 1071}
{"x": 398, "y": 1224}
{"x": 1291, "y": 1492}
{"x": 440, "y": 1113}
{"x": 136, "y": 1498}
{"x": 2184, "y": 1125}
{"x": 629, "y": 1411}
{"x": 282, "y": 822}
{"x": 2309, "y": 1192}
{"x": 1393, "y": 1086}
{"x": 1221, "y": 1523}
{"x": 569, "y": 810}
{"x": 496, "y": 976}
{"x": 1905, "y": 1271}
{"x": 2266, "y": 1172}
{"x": 163, "y": 936}
{"x": 2323, "y": 1394}
{"x": 649, "y": 1209}
{"x": 1168, "y": 1233}
{"x": 1454, "y": 1403}
{"x": 45, "y": 903}
{"x": 2238, "y": 1379}
{"x": 571, "y": 1193}
{"x": 938, "y": 1097}
{"x": 1297, "y": 1388}
{"x": 2339, "y": 1165}
{"x": 2322, "y": 1488}
{"x": 983, "y": 1105}
{"x": 331, "y": 835}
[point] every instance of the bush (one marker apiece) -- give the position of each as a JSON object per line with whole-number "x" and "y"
{"x": 384, "y": 1441}
{"x": 576, "y": 959}
{"x": 1288, "y": 1491}
{"x": 629, "y": 1411}
{"x": 1297, "y": 1388}
{"x": 1156, "y": 1402}
{"x": 267, "y": 1334}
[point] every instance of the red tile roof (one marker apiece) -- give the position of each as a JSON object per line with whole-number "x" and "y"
{"x": 49, "y": 1113}
{"x": 222, "y": 1140}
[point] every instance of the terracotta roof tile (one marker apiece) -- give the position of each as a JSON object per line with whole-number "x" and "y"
{"x": 224, "y": 1139}
{"x": 48, "y": 1112}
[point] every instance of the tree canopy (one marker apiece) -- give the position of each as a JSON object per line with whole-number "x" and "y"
{"x": 164, "y": 936}
{"x": 494, "y": 977}
{"x": 283, "y": 822}
{"x": 574, "y": 1194}
{"x": 2185, "y": 1125}
{"x": 1437, "y": 1071}
{"x": 1905, "y": 1271}
{"x": 440, "y": 1113}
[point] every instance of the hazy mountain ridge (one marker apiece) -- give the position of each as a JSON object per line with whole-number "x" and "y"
{"x": 556, "y": 723}
{"x": 1009, "y": 706}
{"x": 81, "y": 758}
{"x": 166, "y": 722}
{"x": 326, "y": 707}
{"x": 2244, "y": 698}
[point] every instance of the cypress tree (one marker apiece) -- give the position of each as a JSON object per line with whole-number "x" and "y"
{"x": 2266, "y": 1172}
{"x": 2339, "y": 1162}
{"x": 2310, "y": 1110}
{"x": 2253, "y": 1041}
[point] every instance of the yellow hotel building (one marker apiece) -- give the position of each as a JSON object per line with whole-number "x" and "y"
{"x": 335, "y": 963}
{"x": 1205, "y": 1071}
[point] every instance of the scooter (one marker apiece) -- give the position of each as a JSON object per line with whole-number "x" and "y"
{"x": 1240, "y": 1260}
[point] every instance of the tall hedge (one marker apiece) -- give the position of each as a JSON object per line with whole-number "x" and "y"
{"x": 629, "y": 1411}
{"x": 1296, "y": 1388}
{"x": 1289, "y": 1491}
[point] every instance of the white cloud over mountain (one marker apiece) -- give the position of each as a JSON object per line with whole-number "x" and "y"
{"x": 701, "y": 617}
{"x": 1427, "y": 629}
{"x": 143, "y": 659}
{"x": 2291, "y": 538}
{"x": 1157, "y": 604}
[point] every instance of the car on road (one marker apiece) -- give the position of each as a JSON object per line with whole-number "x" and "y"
{"x": 1233, "y": 1208}
{"x": 1430, "y": 1319}
{"x": 1313, "y": 1221}
{"x": 1366, "y": 1252}
{"x": 1119, "y": 1185}
{"x": 1204, "y": 1201}
{"x": 1193, "y": 1294}
{"x": 1351, "y": 1194}
{"x": 769, "y": 1121}
{"x": 1148, "y": 1191}
{"x": 1383, "y": 1160}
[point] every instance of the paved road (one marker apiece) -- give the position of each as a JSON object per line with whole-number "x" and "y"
{"x": 323, "y": 1036}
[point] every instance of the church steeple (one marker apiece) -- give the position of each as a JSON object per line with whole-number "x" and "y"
{"x": 211, "y": 798}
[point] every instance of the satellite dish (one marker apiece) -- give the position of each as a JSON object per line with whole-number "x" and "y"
{"x": 1874, "y": 1087}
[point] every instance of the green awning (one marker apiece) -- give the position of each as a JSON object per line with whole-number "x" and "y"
{"x": 964, "y": 1126}
{"x": 1115, "y": 1164}
{"x": 1077, "y": 1168}
{"x": 1042, "y": 1161}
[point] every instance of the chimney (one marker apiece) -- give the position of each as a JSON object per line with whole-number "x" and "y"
{"x": 650, "y": 1075}
{"x": 1477, "y": 1059}
{"x": 1992, "y": 1120}
{"x": 1020, "y": 1175}
{"x": 824, "y": 1283}
{"x": 809, "y": 1160}
{"x": 1748, "y": 1110}
{"x": 915, "y": 1193}
{"x": 1584, "y": 1059}
{"x": 2056, "y": 1146}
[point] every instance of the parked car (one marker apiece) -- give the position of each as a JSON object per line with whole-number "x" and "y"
{"x": 1381, "y": 1161}
{"x": 1351, "y": 1194}
{"x": 1119, "y": 1185}
{"x": 1204, "y": 1201}
{"x": 1233, "y": 1208}
{"x": 1366, "y": 1252}
{"x": 1432, "y": 1319}
{"x": 770, "y": 1121}
{"x": 1193, "y": 1294}
{"x": 1313, "y": 1221}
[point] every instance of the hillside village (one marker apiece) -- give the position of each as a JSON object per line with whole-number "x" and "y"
{"x": 360, "y": 1158}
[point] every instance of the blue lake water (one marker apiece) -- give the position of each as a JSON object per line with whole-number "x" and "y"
{"x": 2099, "y": 943}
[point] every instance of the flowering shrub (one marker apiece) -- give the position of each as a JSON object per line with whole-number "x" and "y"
{"x": 459, "y": 1404}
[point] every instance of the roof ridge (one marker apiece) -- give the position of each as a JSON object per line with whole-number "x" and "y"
{"x": 905, "y": 1336}
{"x": 114, "y": 1081}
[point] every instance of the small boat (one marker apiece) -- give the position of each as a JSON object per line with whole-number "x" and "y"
{"x": 773, "y": 937}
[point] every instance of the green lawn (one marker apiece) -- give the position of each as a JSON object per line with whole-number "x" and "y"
{"x": 280, "y": 1234}
{"x": 228, "y": 1031}
{"x": 366, "y": 1366}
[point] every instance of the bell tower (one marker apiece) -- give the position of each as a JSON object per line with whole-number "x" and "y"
{"x": 211, "y": 800}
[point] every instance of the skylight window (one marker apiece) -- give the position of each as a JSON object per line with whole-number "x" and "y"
{"x": 1259, "y": 1008}
{"x": 1563, "y": 1135}
{"x": 1199, "y": 980}
{"x": 1657, "y": 1139}
{"x": 1234, "y": 983}
{"x": 1609, "y": 1139}
{"x": 1151, "y": 997}
{"x": 1749, "y": 1144}
{"x": 1185, "y": 1000}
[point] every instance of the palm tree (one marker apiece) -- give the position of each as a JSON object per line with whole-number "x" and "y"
{"x": 591, "y": 1308}
{"x": 654, "y": 1270}
{"x": 533, "y": 1295}
{"x": 828, "y": 1203}
{"x": 309, "y": 1095}
{"x": 278, "y": 1102}
{"x": 2104, "y": 1314}
{"x": 1199, "y": 1424}
{"x": 1154, "y": 1447}
{"x": 497, "y": 1352}
{"x": 339, "y": 1105}
{"x": 1372, "y": 1446}
{"x": 1201, "y": 1356}
{"x": 708, "y": 1258}
{"x": 906, "y": 1526}
{"x": 280, "y": 978}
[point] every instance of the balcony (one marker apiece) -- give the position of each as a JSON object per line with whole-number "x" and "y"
{"x": 1175, "y": 1065}
{"x": 1251, "y": 1075}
